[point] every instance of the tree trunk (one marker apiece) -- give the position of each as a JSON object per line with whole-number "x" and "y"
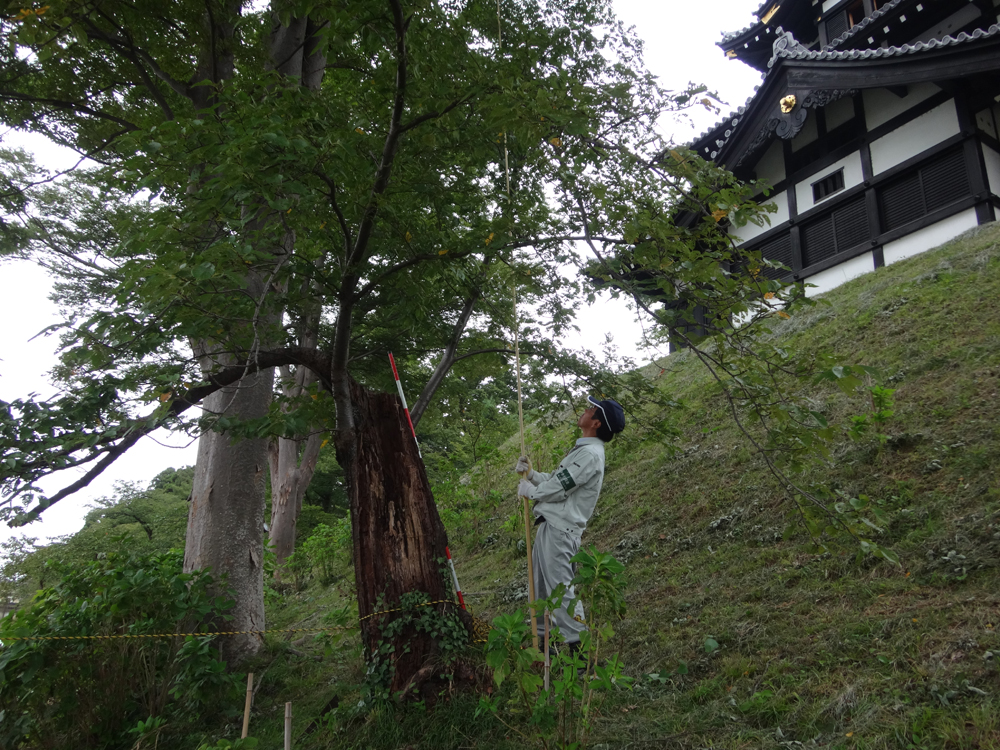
{"x": 295, "y": 53}
{"x": 289, "y": 481}
{"x": 399, "y": 540}
{"x": 226, "y": 517}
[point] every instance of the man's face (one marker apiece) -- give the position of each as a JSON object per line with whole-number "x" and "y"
{"x": 590, "y": 419}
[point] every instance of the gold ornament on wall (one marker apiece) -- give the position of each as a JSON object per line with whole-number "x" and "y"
{"x": 788, "y": 103}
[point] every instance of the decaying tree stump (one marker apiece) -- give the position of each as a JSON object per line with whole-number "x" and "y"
{"x": 399, "y": 539}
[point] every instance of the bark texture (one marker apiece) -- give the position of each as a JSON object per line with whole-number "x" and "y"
{"x": 226, "y": 517}
{"x": 290, "y": 479}
{"x": 294, "y": 53}
{"x": 398, "y": 535}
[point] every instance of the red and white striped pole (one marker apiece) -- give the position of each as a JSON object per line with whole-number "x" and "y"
{"x": 454, "y": 577}
{"x": 399, "y": 387}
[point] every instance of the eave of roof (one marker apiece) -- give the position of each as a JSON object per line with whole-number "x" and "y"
{"x": 802, "y": 53}
{"x": 712, "y": 142}
{"x": 725, "y": 126}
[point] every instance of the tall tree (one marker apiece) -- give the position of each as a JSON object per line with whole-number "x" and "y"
{"x": 394, "y": 203}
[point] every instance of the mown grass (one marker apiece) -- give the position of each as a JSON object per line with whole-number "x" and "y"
{"x": 821, "y": 650}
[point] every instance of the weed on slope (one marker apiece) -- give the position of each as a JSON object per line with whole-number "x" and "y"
{"x": 736, "y": 635}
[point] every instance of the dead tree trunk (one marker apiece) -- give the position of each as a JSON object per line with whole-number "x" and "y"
{"x": 399, "y": 540}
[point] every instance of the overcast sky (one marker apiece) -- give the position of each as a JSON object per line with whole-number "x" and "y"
{"x": 680, "y": 47}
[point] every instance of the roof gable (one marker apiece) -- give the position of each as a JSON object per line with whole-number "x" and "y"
{"x": 809, "y": 78}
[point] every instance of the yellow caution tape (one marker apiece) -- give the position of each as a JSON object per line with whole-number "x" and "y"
{"x": 477, "y": 629}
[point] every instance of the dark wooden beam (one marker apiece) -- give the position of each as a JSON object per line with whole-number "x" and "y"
{"x": 901, "y": 70}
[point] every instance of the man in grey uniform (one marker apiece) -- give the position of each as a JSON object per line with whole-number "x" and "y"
{"x": 563, "y": 503}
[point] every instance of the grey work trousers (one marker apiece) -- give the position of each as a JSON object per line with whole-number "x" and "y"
{"x": 550, "y": 561}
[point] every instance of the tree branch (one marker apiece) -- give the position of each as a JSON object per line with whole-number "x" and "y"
{"x": 344, "y": 227}
{"x": 477, "y": 352}
{"x": 315, "y": 360}
{"x": 76, "y": 107}
{"x": 447, "y": 358}
{"x": 384, "y": 172}
{"x": 434, "y": 115}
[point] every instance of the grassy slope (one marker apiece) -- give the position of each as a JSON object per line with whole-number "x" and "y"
{"x": 814, "y": 649}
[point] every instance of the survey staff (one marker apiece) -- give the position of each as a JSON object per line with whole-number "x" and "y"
{"x": 564, "y": 501}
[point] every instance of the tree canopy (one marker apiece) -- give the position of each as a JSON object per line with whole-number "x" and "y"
{"x": 372, "y": 211}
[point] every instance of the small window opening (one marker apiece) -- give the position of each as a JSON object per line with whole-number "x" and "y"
{"x": 828, "y": 185}
{"x": 856, "y": 13}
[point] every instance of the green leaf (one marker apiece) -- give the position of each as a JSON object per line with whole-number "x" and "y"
{"x": 890, "y": 555}
{"x": 203, "y": 271}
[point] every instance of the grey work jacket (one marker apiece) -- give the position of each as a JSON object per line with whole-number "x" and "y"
{"x": 567, "y": 496}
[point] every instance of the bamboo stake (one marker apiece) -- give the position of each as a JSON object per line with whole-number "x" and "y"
{"x": 524, "y": 452}
{"x": 548, "y": 658}
{"x": 517, "y": 365}
{"x": 288, "y": 726}
{"x": 246, "y": 708}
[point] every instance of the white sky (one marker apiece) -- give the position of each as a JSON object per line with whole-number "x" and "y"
{"x": 680, "y": 47}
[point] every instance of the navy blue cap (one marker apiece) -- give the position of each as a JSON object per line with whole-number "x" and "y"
{"x": 611, "y": 414}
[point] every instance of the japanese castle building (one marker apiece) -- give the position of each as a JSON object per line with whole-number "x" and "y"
{"x": 877, "y": 124}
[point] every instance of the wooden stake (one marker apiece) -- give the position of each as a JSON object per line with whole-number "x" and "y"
{"x": 246, "y": 708}
{"x": 524, "y": 452}
{"x": 548, "y": 658}
{"x": 531, "y": 572}
{"x": 517, "y": 367}
{"x": 288, "y": 726}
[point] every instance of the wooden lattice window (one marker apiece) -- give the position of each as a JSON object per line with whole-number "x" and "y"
{"x": 845, "y": 227}
{"x": 936, "y": 184}
{"x": 780, "y": 251}
{"x": 828, "y": 185}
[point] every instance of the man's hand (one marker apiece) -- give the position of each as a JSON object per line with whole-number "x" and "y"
{"x": 522, "y": 466}
{"x": 524, "y": 488}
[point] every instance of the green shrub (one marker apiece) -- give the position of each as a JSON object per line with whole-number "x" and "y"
{"x": 317, "y": 556}
{"x": 91, "y": 693}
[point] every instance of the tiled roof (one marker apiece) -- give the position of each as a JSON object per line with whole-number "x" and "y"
{"x": 798, "y": 52}
{"x": 790, "y": 49}
{"x": 729, "y": 36}
{"x": 731, "y": 120}
{"x": 865, "y": 22}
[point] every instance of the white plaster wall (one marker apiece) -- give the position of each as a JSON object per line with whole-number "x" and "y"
{"x": 851, "y": 165}
{"x": 748, "y": 232}
{"x": 827, "y": 4}
{"x": 929, "y": 237}
{"x": 833, "y": 277}
{"x": 915, "y": 136}
{"x": 992, "y": 159}
{"x": 771, "y": 166}
{"x": 881, "y": 105}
